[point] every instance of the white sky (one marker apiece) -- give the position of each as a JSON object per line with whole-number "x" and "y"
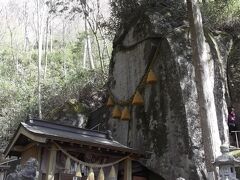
{"x": 73, "y": 27}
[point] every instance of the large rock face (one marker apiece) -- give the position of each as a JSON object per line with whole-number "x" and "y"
{"x": 167, "y": 125}
{"x": 234, "y": 75}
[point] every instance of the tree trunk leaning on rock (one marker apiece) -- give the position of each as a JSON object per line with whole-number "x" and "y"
{"x": 207, "y": 110}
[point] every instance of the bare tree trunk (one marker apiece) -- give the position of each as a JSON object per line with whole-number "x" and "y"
{"x": 93, "y": 25}
{"x": 89, "y": 46}
{"x": 89, "y": 50}
{"x": 40, "y": 39}
{"x": 11, "y": 45}
{"x": 85, "y": 53}
{"x": 104, "y": 44}
{"x": 95, "y": 34}
{"x": 209, "y": 125}
{"x": 63, "y": 49}
{"x": 99, "y": 53}
{"x": 11, "y": 42}
{"x": 51, "y": 36}
{"x": 46, "y": 48}
{"x": 26, "y": 40}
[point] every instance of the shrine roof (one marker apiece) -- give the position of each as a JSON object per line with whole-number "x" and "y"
{"x": 40, "y": 131}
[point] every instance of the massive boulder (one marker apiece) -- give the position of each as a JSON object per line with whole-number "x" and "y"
{"x": 168, "y": 124}
{"x": 234, "y": 75}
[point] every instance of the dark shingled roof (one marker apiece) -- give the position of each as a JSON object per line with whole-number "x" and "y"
{"x": 46, "y": 130}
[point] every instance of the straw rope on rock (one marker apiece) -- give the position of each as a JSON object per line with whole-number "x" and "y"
{"x": 149, "y": 77}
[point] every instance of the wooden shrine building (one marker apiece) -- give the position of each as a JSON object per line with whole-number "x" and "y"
{"x": 67, "y": 152}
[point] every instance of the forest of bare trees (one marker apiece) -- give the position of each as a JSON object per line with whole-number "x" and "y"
{"x": 46, "y": 46}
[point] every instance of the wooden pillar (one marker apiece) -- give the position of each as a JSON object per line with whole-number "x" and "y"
{"x": 51, "y": 163}
{"x": 2, "y": 175}
{"x": 128, "y": 169}
{"x": 39, "y": 163}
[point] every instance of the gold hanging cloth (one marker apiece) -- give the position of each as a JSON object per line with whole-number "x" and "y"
{"x": 137, "y": 99}
{"x": 116, "y": 113}
{"x": 91, "y": 174}
{"x": 101, "y": 175}
{"x": 151, "y": 77}
{"x": 125, "y": 114}
{"x": 67, "y": 165}
{"x": 110, "y": 102}
{"x": 78, "y": 171}
{"x": 112, "y": 173}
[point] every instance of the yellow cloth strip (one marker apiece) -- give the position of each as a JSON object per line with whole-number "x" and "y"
{"x": 101, "y": 175}
{"x": 89, "y": 164}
